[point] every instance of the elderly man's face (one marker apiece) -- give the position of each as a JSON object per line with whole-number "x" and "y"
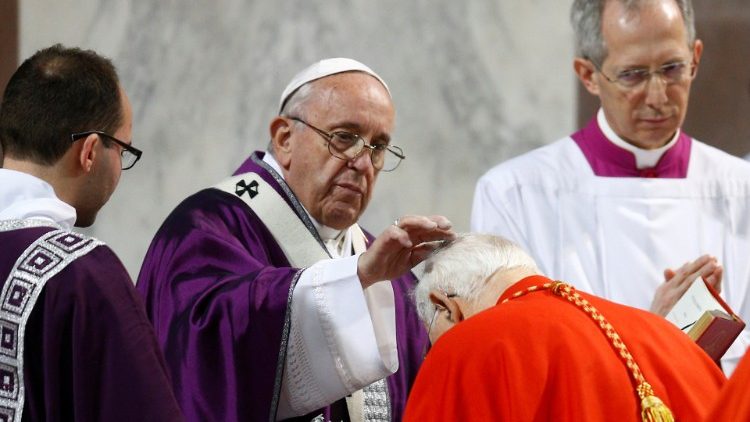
{"x": 334, "y": 191}
{"x": 654, "y": 36}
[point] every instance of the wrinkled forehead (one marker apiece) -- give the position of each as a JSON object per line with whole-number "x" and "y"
{"x": 351, "y": 96}
{"x": 352, "y": 83}
{"x": 340, "y": 81}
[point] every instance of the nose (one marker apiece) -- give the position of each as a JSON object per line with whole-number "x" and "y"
{"x": 656, "y": 91}
{"x": 363, "y": 161}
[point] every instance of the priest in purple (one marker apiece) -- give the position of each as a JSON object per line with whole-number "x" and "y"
{"x": 267, "y": 298}
{"x": 75, "y": 342}
{"x": 630, "y": 207}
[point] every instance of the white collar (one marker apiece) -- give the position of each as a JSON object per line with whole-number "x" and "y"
{"x": 644, "y": 158}
{"x": 325, "y": 232}
{"x": 24, "y": 196}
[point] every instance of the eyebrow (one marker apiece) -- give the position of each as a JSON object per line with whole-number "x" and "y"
{"x": 667, "y": 62}
{"x": 357, "y": 128}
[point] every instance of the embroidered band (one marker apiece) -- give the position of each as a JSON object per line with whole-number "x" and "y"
{"x": 41, "y": 260}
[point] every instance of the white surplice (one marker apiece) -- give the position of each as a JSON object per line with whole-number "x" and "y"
{"x": 615, "y": 236}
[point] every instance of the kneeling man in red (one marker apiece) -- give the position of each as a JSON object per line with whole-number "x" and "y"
{"x": 512, "y": 345}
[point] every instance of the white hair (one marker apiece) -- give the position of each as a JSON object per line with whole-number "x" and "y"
{"x": 295, "y": 104}
{"x": 463, "y": 266}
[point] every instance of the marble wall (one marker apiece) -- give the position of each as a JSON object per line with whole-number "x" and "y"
{"x": 475, "y": 82}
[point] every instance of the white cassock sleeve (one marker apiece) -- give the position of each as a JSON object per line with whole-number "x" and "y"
{"x": 342, "y": 338}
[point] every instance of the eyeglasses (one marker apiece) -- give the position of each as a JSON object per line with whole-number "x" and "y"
{"x": 129, "y": 154}
{"x": 670, "y": 73}
{"x": 348, "y": 146}
{"x": 438, "y": 309}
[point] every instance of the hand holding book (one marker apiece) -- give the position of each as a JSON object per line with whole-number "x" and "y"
{"x": 704, "y": 316}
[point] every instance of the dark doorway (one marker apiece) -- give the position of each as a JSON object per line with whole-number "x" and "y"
{"x": 8, "y": 41}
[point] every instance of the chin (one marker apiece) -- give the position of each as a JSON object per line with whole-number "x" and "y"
{"x": 84, "y": 224}
{"x": 340, "y": 224}
{"x": 85, "y": 220}
{"x": 341, "y": 220}
{"x": 656, "y": 140}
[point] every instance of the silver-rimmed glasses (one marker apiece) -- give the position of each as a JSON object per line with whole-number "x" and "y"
{"x": 129, "y": 154}
{"x": 670, "y": 73}
{"x": 348, "y": 146}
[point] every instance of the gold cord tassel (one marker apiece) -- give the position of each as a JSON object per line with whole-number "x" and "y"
{"x": 652, "y": 408}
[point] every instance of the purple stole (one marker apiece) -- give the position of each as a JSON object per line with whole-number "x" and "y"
{"x": 609, "y": 160}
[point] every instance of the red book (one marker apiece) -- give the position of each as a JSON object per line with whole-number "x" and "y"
{"x": 704, "y": 316}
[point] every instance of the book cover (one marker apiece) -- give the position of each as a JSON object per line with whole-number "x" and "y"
{"x": 704, "y": 316}
{"x": 715, "y": 331}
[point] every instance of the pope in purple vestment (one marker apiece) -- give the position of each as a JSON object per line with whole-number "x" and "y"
{"x": 218, "y": 289}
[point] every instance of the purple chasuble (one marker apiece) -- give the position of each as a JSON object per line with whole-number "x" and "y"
{"x": 88, "y": 351}
{"x": 609, "y": 160}
{"x": 217, "y": 288}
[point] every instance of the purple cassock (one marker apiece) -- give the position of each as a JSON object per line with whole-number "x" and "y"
{"x": 72, "y": 320}
{"x": 609, "y": 160}
{"x": 218, "y": 289}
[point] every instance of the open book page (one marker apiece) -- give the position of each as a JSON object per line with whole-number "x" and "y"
{"x": 696, "y": 300}
{"x": 704, "y": 316}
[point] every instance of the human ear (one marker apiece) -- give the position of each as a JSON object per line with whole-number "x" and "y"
{"x": 697, "y": 52}
{"x": 281, "y": 132}
{"x": 585, "y": 71}
{"x": 455, "y": 313}
{"x": 87, "y": 153}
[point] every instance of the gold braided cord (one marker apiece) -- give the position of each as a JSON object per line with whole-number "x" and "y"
{"x": 652, "y": 408}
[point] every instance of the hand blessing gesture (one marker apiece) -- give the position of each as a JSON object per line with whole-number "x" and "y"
{"x": 401, "y": 246}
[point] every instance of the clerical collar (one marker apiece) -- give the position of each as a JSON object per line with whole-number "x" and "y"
{"x": 326, "y": 233}
{"x": 23, "y": 196}
{"x": 610, "y": 156}
{"x": 644, "y": 158}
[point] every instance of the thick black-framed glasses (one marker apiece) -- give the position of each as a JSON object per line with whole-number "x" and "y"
{"x": 129, "y": 154}
{"x": 348, "y": 146}
{"x": 633, "y": 79}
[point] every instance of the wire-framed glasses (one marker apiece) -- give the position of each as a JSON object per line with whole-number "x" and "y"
{"x": 129, "y": 154}
{"x": 348, "y": 146}
{"x": 670, "y": 73}
{"x": 438, "y": 309}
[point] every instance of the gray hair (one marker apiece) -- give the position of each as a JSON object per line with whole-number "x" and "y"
{"x": 463, "y": 266}
{"x": 586, "y": 18}
{"x": 294, "y": 106}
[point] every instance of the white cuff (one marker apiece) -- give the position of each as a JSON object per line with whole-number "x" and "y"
{"x": 342, "y": 338}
